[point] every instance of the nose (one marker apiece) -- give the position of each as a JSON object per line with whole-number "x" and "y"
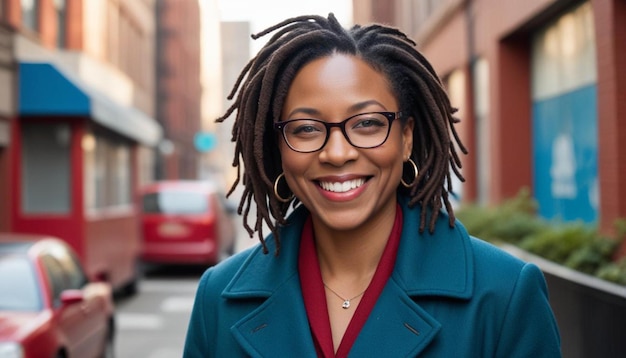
{"x": 337, "y": 150}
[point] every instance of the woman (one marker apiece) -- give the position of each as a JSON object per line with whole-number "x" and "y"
{"x": 345, "y": 137}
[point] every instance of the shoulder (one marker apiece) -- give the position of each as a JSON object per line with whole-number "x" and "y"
{"x": 216, "y": 278}
{"x": 498, "y": 268}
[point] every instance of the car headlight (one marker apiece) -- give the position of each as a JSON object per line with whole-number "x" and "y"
{"x": 11, "y": 350}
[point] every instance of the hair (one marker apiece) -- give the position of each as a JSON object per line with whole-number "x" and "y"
{"x": 263, "y": 84}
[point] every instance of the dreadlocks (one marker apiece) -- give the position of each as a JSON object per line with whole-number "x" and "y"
{"x": 262, "y": 87}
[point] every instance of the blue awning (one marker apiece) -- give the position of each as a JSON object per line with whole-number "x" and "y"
{"x": 46, "y": 90}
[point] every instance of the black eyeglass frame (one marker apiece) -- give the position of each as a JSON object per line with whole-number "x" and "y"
{"x": 391, "y": 116}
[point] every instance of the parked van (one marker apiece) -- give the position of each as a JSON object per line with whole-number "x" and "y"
{"x": 185, "y": 222}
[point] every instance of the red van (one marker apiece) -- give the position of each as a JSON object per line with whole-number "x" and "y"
{"x": 186, "y": 222}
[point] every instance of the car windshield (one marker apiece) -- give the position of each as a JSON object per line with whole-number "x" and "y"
{"x": 19, "y": 286}
{"x": 175, "y": 202}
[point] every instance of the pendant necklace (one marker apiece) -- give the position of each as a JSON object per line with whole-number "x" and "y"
{"x": 346, "y": 301}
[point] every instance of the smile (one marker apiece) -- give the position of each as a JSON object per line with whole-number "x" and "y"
{"x": 342, "y": 187}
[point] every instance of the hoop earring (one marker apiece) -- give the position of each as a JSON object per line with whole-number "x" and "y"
{"x": 280, "y": 198}
{"x": 407, "y": 185}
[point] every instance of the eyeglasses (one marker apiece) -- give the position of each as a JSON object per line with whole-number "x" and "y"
{"x": 363, "y": 130}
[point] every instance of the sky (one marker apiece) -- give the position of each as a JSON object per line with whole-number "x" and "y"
{"x": 265, "y": 13}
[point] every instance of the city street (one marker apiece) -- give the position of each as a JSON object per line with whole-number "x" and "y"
{"x": 153, "y": 323}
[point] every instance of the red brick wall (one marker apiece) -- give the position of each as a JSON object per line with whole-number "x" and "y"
{"x": 179, "y": 89}
{"x": 610, "y": 26}
{"x": 74, "y": 31}
{"x": 510, "y": 119}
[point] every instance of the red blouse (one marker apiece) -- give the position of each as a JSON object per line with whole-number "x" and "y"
{"x": 315, "y": 296}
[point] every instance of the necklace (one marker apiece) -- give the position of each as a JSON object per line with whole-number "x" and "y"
{"x": 346, "y": 301}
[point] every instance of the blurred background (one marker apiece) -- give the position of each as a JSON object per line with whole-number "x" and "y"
{"x": 100, "y": 98}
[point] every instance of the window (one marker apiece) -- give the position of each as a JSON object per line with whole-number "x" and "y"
{"x": 482, "y": 101}
{"x": 46, "y": 173}
{"x": 175, "y": 202}
{"x": 19, "y": 284}
{"x": 107, "y": 171}
{"x": 30, "y": 14}
{"x": 60, "y": 7}
{"x": 64, "y": 271}
{"x": 59, "y": 281}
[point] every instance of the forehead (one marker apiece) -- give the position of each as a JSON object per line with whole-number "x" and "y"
{"x": 336, "y": 83}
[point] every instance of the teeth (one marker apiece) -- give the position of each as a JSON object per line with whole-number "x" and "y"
{"x": 342, "y": 187}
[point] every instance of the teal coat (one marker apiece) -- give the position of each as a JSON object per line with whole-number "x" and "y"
{"x": 450, "y": 295}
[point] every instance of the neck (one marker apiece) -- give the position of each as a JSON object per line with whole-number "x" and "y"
{"x": 352, "y": 256}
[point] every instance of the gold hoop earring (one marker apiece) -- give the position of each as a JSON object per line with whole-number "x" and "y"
{"x": 406, "y": 185}
{"x": 280, "y": 198}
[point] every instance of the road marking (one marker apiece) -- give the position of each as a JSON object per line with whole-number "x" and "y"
{"x": 165, "y": 353}
{"x": 177, "y": 304}
{"x": 162, "y": 286}
{"x": 125, "y": 320}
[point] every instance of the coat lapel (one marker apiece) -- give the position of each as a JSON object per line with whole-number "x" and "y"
{"x": 279, "y": 327}
{"x": 427, "y": 264}
{"x": 398, "y": 325}
{"x": 439, "y": 264}
{"x": 274, "y": 280}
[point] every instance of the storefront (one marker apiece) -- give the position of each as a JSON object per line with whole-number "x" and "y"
{"x": 78, "y": 156}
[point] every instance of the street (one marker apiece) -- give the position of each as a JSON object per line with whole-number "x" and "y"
{"x": 153, "y": 323}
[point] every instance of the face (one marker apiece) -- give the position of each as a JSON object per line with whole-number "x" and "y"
{"x": 344, "y": 187}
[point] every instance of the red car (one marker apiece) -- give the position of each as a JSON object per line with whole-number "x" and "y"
{"x": 48, "y": 307}
{"x": 186, "y": 222}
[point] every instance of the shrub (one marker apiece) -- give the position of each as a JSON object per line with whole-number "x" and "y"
{"x": 510, "y": 222}
{"x": 559, "y": 241}
{"x": 614, "y": 272}
{"x": 574, "y": 244}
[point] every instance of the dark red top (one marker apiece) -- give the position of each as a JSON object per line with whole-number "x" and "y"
{"x": 315, "y": 295}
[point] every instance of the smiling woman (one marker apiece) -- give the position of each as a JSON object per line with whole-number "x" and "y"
{"x": 346, "y": 146}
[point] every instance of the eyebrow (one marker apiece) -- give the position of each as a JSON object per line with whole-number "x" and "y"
{"x": 353, "y": 108}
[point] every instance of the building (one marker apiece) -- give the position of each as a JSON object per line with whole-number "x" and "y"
{"x": 77, "y": 125}
{"x": 542, "y": 89}
{"x": 7, "y": 111}
{"x": 178, "y": 87}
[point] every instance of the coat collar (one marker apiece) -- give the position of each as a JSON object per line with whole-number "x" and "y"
{"x": 439, "y": 264}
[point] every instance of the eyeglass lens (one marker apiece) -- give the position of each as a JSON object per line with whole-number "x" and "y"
{"x": 365, "y": 130}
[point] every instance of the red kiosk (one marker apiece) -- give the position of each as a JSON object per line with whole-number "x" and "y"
{"x": 77, "y": 160}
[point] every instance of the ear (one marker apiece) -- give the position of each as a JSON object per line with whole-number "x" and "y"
{"x": 407, "y": 138}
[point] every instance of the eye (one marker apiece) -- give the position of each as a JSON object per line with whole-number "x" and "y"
{"x": 372, "y": 121}
{"x": 304, "y": 128}
{"x": 369, "y": 122}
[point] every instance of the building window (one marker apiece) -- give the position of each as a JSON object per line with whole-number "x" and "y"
{"x": 565, "y": 117}
{"x": 46, "y": 168}
{"x": 30, "y": 14}
{"x": 107, "y": 172}
{"x": 482, "y": 101}
{"x": 60, "y": 7}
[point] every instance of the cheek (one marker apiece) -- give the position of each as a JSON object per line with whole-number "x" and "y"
{"x": 293, "y": 164}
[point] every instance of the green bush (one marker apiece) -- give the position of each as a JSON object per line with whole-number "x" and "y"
{"x": 510, "y": 222}
{"x": 591, "y": 257}
{"x": 574, "y": 244}
{"x": 559, "y": 241}
{"x": 614, "y": 272}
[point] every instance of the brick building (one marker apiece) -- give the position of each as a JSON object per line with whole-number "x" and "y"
{"x": 76, "y": 126}
{"x": 178, "y": 86}
{"x": 542, "y": 89}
